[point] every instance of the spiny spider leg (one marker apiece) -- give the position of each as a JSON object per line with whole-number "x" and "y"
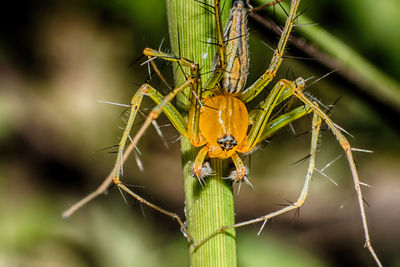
{"x": 266, "y": 108}
{"x": 220, "y": 64}
{"x": 251, "y": 92}
{"x": 163, "y": 104}
{"x": 123, "y": 153}
{"x": 337, "y": 132}
{"x": 168, "y": 213}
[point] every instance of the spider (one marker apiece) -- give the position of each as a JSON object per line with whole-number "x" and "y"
{"x": 219, "y": 121}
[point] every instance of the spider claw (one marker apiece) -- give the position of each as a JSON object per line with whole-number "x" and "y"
{"x": 240, "y": 176}
{"x": 201, "y": 173}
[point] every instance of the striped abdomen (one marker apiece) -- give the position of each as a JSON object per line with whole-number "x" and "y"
{"x": 237, "y": 55}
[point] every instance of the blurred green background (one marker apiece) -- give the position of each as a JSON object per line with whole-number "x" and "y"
{"x": 57, "y": 58}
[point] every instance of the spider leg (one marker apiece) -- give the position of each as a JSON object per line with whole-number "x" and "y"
{"x": 220, "y": 62}
{"x": 283, "y": 120}
{"x": 123, "y": 153}
{"x": 286, "y": 93}
{"x": 152, "y": 53}
{"x": 240, "y": 174}
{"x": 194, "y": 135}
{"x": 337, "y": 132}
{"x": 195, "y": 99}
{"x": 302, "y": 197}
{"x": 266, "y": 108}
{"x": 168, "y": 213}
{"x": 201, "y": 169}
{"x": 252, "y": 91}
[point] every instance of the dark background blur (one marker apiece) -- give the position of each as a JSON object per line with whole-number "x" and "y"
{"x": 57, "y": 58}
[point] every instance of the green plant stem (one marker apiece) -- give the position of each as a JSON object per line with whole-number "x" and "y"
{"x": 212, "y": 206}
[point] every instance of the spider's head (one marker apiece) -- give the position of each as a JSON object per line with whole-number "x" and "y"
{"x": 227, "y": 142}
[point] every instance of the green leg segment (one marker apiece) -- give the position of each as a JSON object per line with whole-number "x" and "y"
{"x": 251, "y": 92}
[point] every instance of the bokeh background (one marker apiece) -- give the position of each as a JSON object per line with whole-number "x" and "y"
{"x": 57, "y": 58}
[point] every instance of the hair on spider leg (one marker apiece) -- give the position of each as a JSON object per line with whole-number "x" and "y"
{"x": 106, "y": 148}
{"x": 314, "y": 99}
{"x": 177, "y": 139}
{"x": 300, "y": 14}
{"x": 197, "y": 98}
{"x": 113, "y": 103}
{"x": 156, "y": 127}
{"x": 159, "y": 132}
{"x": 292, "y": 129}
{"x": 161, "y": 43}
{"x": 284, "y": 10}
{"x": 326, "y": 176}
{"x": 366, "y": 202}
{"x": 331, "y": 107}
{"x": 148, "y": 61}
{"x": 306, "y": 24}
{"x": 204, "y": 73}
{"x": 267, "y": 45}
{"x": 300, "y": 161}
{"x": 123, "y": 196}
{"x": 289, "y": 202}
{"x": 136, "y": 147}
{"x": 296, "y": 215}
{"x": 138, "y": 161}
{"x": 331, "y": 162}
{"x": 299, "y": 58}
{"x": 366, "y": 185}
{"x": 266, "y": 222}
{"x": 247, "y": 34}
{"x": 163, "y": 80}
{"x": 320, "y": 78}
{"x": 223, "y": 6}
{"x": 165, "y": 125}
{"x": 361, "y": 150}
{"x": 136, "y": 60}
{"x": 206, "y": 6}
{"x": 343, "y": 130}
{"x": 209, "y": 37}
{"x": 148, "y": 78}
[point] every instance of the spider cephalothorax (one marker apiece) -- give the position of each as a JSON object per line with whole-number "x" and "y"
{"x": 223, "y": 124}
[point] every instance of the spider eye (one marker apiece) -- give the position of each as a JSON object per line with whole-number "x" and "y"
{"x": 227, "y": 142}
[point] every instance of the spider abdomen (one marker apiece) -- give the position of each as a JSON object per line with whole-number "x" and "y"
{"x": 223, "y": 123}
